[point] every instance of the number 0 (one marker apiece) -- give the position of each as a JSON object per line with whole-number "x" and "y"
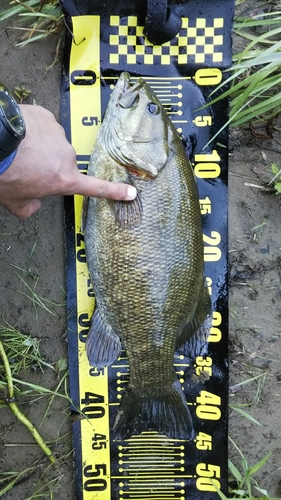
{"x": 206, "y": 484}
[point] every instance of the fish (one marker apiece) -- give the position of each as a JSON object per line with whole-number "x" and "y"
{"x": 145, "y": 260}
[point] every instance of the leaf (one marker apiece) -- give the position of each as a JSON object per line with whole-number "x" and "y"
{"x": 62, "y": 364}
{"x": 234, "y": 471}
{"x": 255, "y": 468}
{"x": 241, "y": 493}
{"x": 277, "y": 187}
{"x": 245, "y": 414}
{"x": 221, "y": 495}
{"x": 264, "y": 492}
{"x": 22, "y": 92}
{"x": 274, "y": 168}
{"x": 15, "y": 10}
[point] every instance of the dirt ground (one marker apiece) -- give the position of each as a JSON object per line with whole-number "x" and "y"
{"x": 34, "y": 251}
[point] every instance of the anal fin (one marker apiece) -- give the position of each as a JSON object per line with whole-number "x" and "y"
{"x": 103, "y": 346}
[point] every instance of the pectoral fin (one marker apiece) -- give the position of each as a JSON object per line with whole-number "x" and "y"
{"x": 103, "y": 346}
{"x": 128, "y": 213}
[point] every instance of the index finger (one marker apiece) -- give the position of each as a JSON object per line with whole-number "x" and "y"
{"x": 91, "y": 186}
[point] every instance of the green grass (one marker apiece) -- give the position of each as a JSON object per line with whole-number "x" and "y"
{"x": 276, "y": 179}
{"x": 245, "y": 396}
{"x": 34, "y": 18}
{"x": 242, "y": 480}
{"x": 19, "y": 354}
{"x": 255, "y": 76}
{"x": 47, "y": 485}
{"x": 22, "y": 350}
{"x": 10, "y": 478}
{"x": 23, "y": 353}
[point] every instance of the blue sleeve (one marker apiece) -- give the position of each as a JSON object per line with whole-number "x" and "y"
{"x": 4, "y": 165}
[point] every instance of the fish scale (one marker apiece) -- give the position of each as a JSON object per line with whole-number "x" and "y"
{"x": 147, "y": 270}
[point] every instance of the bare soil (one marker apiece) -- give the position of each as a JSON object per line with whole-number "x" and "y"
{"x": 35, "y": 251}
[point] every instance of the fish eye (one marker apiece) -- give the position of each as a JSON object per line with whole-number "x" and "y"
{"x": 153, "y": 108}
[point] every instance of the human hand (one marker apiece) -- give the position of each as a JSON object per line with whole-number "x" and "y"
{"x": 45, "y": 164}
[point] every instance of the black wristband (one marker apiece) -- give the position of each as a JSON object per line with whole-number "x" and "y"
{"x": 12, "y": 126}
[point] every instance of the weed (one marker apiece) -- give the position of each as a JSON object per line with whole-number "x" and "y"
{"x": 43, "y": 18}
{"x": 10, "y": 400}
{"x": 20, "y": 352}
{"x": 276, "y": 180}
{"x": 254, "y": 384}
{"x": 23, "y": 351}
{"x": 37, "y": 20}
{"x": 36, "y": 299}
{"x": 46, "y": 485}
{"x": 257, "y": 231}
{"x": 10, "y": 478}
{"x": 30, "y": 290}
{"x": 244, "y": 478}
{"x": 244, "y": 414}
{"x": 22, "y": 92}
{"x": 255, "y": 77}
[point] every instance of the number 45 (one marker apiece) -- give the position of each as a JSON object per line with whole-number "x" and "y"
{"x": 203, "y": 441}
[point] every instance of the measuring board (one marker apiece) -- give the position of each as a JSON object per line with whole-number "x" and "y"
{"x": 105, "y": 40}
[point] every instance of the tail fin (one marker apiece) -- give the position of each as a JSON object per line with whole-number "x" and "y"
{"x": 167, "y": 414}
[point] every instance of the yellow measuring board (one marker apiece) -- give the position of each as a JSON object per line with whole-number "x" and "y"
{"x": 85, "y": 107}
{"x": 149, "y": 466}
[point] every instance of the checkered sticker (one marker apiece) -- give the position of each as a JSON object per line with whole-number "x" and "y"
{"x": 196, "y": 42}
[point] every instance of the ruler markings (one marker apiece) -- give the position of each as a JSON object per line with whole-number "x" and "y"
{"x": 137, "y": 468}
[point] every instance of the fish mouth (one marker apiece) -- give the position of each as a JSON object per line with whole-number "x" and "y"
{"x": 124, "y": 82}
{"x": 128, "y": 95}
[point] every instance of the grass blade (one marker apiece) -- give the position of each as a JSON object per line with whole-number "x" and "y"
{"x": 255, "y": 468}
{"x": 17, "y": 9}
{"x": 244, "y": 414}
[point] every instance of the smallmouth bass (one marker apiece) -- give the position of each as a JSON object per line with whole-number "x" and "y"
{"x": 145, "y": 259}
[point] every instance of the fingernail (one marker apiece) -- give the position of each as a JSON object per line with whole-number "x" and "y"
{"x": 131, "y": 193}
